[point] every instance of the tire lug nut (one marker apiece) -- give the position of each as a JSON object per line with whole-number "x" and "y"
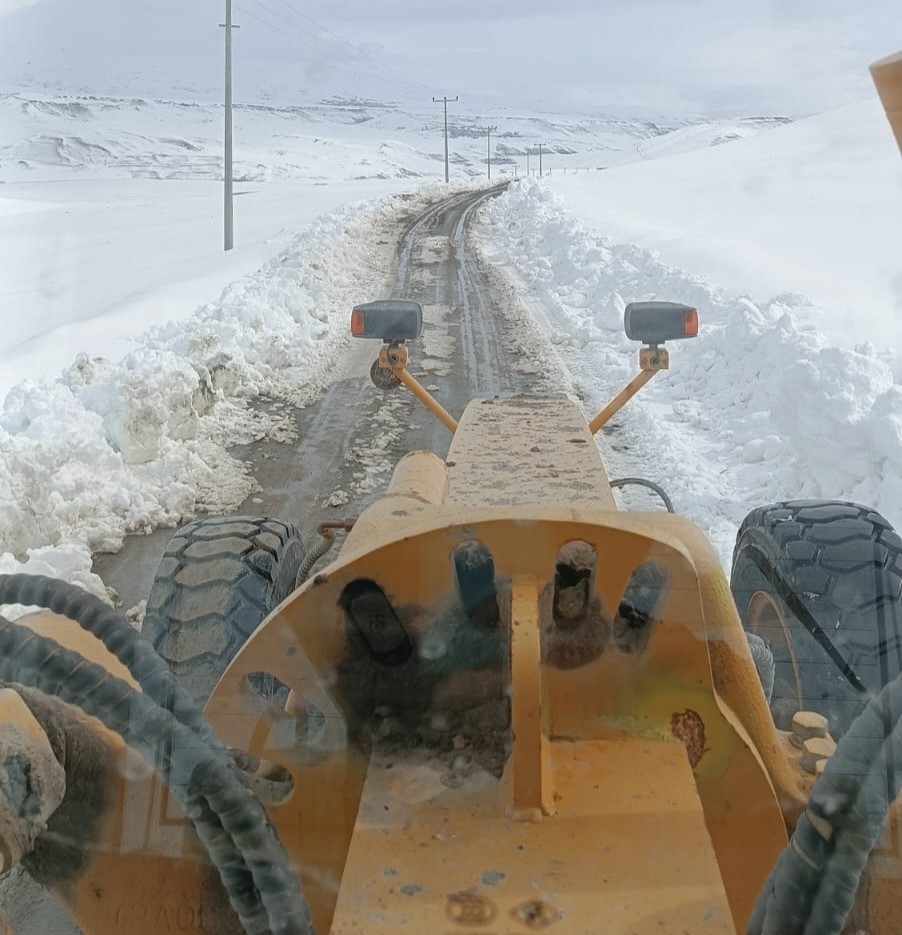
{"x": 815, "y": 750}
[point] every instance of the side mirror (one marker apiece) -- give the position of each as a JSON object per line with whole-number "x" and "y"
{"x": 389, "y": 320}
{"x": 656, "y": 322}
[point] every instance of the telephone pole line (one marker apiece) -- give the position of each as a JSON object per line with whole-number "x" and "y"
{"x": 444, "y": 101}
{"x": 488, "y": 149}
{"x": 540, "y": 145}
{"x": 527, "y": 162}
{"x": 228, "y": 202}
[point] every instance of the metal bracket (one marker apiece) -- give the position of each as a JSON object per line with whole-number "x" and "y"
{"x": 651, "y": 360}
{"x": 392, "y": 366}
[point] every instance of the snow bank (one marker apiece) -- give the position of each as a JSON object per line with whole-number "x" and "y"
{"x": 113, "y": 448}
{"x": 760, "y": 407}
{"x": 814, "y": 207}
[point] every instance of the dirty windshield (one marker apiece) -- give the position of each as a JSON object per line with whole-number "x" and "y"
{"x": 450, "y": 467}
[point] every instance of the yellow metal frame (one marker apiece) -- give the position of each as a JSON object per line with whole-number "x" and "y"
{"x": 651, "y": 360}
{"x": 887, "y": 77}
{"x": 394, "y": 357}
{"x": 697, "y": 668}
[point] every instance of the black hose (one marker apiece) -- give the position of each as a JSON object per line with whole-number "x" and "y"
{"x": 651, "y": 485}
{"x": 261, "y": 885}
{"x": 812, "y": 888}
{"x": 121, "y": 639}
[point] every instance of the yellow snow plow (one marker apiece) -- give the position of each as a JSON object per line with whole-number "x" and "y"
{"x": 506, "y": 706}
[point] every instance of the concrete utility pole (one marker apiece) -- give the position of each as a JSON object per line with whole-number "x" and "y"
{"x": 444, "y": 101}
{"x": 527, "y": 162}
{"x": 228, "y": 204}
{"x": 540, "y": 145}
{"x": 488, "y": 149}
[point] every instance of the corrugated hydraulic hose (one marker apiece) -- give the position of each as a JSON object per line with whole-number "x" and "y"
{"x": 232, "y": 824}
{"x": 121, "y": 639}
{"x": 642, "y": 482}
{"x": 812, "y": 888}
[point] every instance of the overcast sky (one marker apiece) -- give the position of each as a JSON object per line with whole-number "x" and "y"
{"x": 651, "y": 56}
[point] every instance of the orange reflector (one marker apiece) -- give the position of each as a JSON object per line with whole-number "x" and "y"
{"x": 358, "y": 323}
{"x": 690, "y": 323}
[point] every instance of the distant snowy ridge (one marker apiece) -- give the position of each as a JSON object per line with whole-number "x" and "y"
{"x": 114, "y": 448}
{"x": 707, "y": 133}
{"x": 759, "y": 408}
{"x": 317, "y": 140}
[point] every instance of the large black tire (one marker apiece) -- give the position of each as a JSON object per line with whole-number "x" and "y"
{"x": 821, "y": 581}
{"x": 217, "y": 581}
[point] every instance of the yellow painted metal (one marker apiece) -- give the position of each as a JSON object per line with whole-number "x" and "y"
{"x": 396, "y": 359}
{"x": 427, "y": 399}
{"x": 887, "y": 75}
{"x": 522, "y": 450}
{"x": 627, "y": 852}
{"x": 420, "y": 475}
{"x": 695, "y": 681}
{"x": 620, "y": 400}
{"x": 530, "y": 750}
{"x": 419, "y": 481}
{"x": 651, "y": 360}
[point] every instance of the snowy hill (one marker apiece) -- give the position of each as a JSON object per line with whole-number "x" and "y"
{"x": 811, "y": 208}
{"x": 319, "y": 141}
{"x": 707, "y": 133}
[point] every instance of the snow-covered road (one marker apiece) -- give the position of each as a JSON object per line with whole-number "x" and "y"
{"x": 344, "y": 444}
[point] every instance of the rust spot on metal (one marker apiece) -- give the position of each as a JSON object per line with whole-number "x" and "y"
{"x": 536, "y": 914}
{"x": 689, "y": 729}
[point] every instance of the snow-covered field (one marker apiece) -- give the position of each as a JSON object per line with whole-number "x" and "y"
{"x": 89, "y": 265}
{"x": 770, "y": 402}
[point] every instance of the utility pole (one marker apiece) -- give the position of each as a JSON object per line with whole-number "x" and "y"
{"x": 540, "y": 145}
{"x": 444, "y": 101}
{"x": 488, "y": 149}
{"x": 228, "y": 203}
{"x": 527, "y": 162}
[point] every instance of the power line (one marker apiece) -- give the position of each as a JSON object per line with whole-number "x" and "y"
{"x": 353, "y": 48}
{"x": 303, "y": 37}
{"x": 304, "y": 42}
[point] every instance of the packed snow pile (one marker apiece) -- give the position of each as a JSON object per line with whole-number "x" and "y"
{"x": 814, "y": 207}
{"x": 112, "y": 448}
{"x": 760, "y": 407}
